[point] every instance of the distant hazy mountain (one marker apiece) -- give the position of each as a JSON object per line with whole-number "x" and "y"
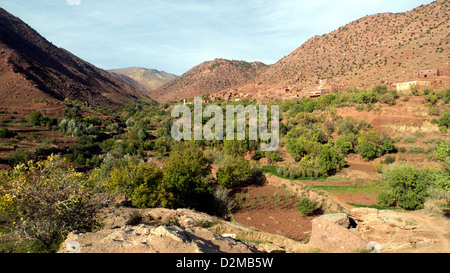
{"x": 143, "y": 79}
{"x": 31, "y": 67}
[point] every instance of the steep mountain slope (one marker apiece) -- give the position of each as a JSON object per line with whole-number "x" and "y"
{"x": 378, "y": 49}
{"x": 208, "y": 78}
{"x": 142, "y": 78}
{"x": 32, "y": 67}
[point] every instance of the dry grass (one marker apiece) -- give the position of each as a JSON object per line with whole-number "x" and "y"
{"x": 425, "y": 128}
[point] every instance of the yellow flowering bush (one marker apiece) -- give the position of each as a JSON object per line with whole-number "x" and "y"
{"x": 43, "y": 201}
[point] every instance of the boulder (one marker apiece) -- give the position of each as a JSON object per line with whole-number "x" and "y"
{"x": 175, "y": 233}
{"x": 360, "y": 213}
{"x": 341, "y": 219}
{"x": 332, "y": 237}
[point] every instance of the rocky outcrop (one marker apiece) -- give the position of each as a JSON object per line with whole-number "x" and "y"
{"x": 130, "y": 230}
{"x": 340, "y": 219}
{"x": 155, "y": 231}
{"x": 398, "y": 231}
{"x": 149, "y": 239}
{"x": 330, "y": 233}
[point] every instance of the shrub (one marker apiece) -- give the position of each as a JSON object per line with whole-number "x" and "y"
{"x": 410, "y": 139}
{"x": 433, "y": 111}
{"x": 151, "y": 196}
{"x": 444, "y": 120}
{"x": 75, "y": 128}
{"x": 379, "y": 167}
{"x": 6, "y": 133}
{"x": 42, "y": 202}
{"x": 84, "y": 149}
{"x": 302, "y": 146}
{"x": 373, "y": 144}
{"x": 35, "y": 118}
{"x": 430, "y": 97}
{"x": 306, "y": 206}
{"x": 446, "y": 95}
{"x": 303, "y": 170}
{"x": 273, "y": 156}
{"x": 416, "y": 150}
{"x": 439, "y": 182}
{"x": 367, "y": 150}
{"x": 235, "y": 147}
{"x": 348, "y": 126}
{"x": 388, "y": 146}
{"x": 387, "y": 98}
{"x": 223, "y": 203}
{"x": 442, "y": 153}
{"x": 385, "y": 199}
{"x": 389, "y": 159}
{"x": 20, "y": 156}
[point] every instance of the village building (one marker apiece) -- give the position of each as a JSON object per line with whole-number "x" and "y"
{"x": 427, "y": 74}
{"x": 420, "y": 79}
{"x": 326, "y": 86}
{"x": 406, "y": 86}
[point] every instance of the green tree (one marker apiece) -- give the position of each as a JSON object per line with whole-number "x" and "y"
{"x": 35, "y": 118}
{"x": 348, "y": 126}
{"x": 302, "y": 146}
{"x": 346, "y": 143}
{"x": 408, "y": 186}
{"x": 373, "y": 144}
{"x": 234, "y": 172}
{"x": 142, "y": 184}
{"x": 235, "y": 147}
{"x": 185, "y": 175}
{"x": 84, "y": 149}
{"x": 330, "y": 161}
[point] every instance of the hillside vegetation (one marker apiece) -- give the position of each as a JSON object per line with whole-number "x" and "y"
{"x": 133, "y": 156}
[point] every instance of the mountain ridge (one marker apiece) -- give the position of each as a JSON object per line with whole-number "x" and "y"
{"x": 31, "y": 67}
{"x": 383, "y": 48}
{"x": 209, "y": 77}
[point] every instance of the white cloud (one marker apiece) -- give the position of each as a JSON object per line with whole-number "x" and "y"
{"x": 73, "y": 2}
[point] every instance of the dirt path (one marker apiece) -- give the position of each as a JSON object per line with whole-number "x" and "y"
{"x": 439, "y": 226}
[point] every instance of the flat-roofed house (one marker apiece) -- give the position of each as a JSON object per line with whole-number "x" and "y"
{"x": 405, "y": 87}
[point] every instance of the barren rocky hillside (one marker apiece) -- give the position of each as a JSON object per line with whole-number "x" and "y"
{"x": 33, "y": 68}
{"x": 208, "y": 78}
{"x": 378, "y": 49}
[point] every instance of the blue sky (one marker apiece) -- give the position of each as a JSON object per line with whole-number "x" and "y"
{"x": 176, "y": 35}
